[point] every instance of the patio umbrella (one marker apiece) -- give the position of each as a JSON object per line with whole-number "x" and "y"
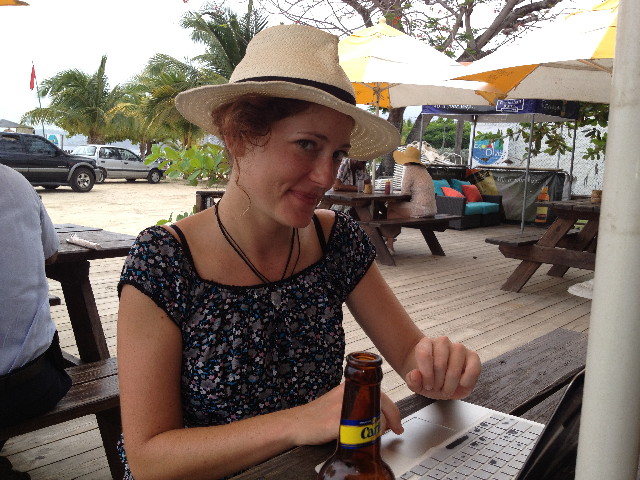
{"x": 388, "y": 68}
{"x": 571, "y": 59}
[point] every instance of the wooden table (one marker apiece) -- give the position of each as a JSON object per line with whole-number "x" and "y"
{"x": 560, "y": 245}
{"x": 71, "y": 269}
{"x": 527, "y": 381}
{"x": 370, "y": 211}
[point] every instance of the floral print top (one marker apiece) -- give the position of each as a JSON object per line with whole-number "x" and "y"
{"x": 252, "y": 350}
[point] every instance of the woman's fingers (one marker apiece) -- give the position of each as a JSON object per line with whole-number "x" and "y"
{"x": 444, "y": 369}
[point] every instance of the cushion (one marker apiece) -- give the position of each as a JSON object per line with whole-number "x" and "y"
{"x": 457, "y": 184}
{"x": 450, "y": 192}
{"x": 489, "y": 207}
{"x": 472, "y": 193}
{"x": 438, "y": 184}
{"x": 474, "y": 208}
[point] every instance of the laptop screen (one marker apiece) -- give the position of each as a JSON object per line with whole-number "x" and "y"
{"x": 554, "y": 456}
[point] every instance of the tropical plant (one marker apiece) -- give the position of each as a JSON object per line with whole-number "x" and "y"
{"x": 224, "y": 34}
{"x": 79, "y": 104}
{"x": 150, "y": 100}
{"x": 548, "y": 138}
{"x": 195, "y": 164}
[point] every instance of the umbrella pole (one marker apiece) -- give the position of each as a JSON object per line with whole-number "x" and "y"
{"x": 526, "y": 174}
{"x": 421, "y": 130}
{"x": 573, "y": 156}
{"x": 472, "y": 141}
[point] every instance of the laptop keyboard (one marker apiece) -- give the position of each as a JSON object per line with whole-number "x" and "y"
{"x": 495, "y": 448}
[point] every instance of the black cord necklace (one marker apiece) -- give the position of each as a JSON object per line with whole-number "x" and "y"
{"x": 230, "y": 240}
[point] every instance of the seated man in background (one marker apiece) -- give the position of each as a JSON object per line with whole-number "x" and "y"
{"x": 32, "y": 375}
{"x": 349, "y": 172}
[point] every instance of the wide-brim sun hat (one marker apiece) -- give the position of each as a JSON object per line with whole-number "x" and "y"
{"x": 299, "y": 62}
{"x": 410, "y": 155}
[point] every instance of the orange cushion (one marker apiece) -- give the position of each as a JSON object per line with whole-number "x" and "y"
{"x": 450, "y": 192}
{"x": 472, "y": 193}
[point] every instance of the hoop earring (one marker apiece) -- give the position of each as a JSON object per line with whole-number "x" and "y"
{"x": 242, "y": 189}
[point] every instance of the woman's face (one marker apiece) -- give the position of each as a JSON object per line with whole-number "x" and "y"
{"x": 287, "y": 177}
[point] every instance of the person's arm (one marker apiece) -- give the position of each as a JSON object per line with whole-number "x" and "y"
{"x": 436, "y": 368}
{"x": 157, "y": 445}
{"x": 338, "y": 186}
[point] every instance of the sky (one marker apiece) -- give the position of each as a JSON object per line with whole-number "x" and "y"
{"x": 58, "y": 35}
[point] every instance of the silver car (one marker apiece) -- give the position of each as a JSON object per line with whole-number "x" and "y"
{"x": 117, "y": 162}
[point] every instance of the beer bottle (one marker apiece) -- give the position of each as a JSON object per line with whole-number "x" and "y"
{"x": 357, "y": 456}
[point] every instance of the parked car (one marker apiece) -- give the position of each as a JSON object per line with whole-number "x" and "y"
{"x": 116, "y": 162}
{"x": 44, "y": 164}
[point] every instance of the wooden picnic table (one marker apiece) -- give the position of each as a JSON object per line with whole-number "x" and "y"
{"x": 371, "y": 212}
{"x": 560, "y": 245}
{"x": 71, "y": 269}
{"x": 527, "y": 381}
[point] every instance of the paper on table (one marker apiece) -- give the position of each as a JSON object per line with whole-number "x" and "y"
{"x": 83, "y": 243}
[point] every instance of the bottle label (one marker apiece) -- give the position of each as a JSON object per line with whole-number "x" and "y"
{"x": 359, "y": 433}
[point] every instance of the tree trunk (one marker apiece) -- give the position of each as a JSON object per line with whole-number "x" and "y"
{"x": 416, "y": 134}
{"x": 459, "y": 135}
{"x": 387, "y": 164}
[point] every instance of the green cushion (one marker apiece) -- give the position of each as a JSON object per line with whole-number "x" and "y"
{"x": 457, "y": 184}
{"x": 438, "y": 184}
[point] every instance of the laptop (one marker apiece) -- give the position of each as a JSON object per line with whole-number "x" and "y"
{"x": 455, "y": 440}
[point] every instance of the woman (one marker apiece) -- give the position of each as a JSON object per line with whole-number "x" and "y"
{"x": 230, "y": 320}
{"x": 416, "y": 182}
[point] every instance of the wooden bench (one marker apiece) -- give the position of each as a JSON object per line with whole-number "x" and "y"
{"x": 575, "y": 249}
{"x": 525, "y": 239}
{"x": 94, "y": 391}
{"x": 426, "y": 225}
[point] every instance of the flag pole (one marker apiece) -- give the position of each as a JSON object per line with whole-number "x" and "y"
{"x": 34, "y": 78}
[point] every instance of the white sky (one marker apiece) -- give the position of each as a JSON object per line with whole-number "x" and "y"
{"x": 59, "y": 35}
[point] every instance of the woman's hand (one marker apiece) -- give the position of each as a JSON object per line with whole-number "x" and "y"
{"x": 319, "y": 420}
{"x": 444, "y": 370}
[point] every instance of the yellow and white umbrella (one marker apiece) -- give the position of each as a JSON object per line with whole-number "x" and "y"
{"x": 388, "y": 68}
{"x": 570, "y": 59}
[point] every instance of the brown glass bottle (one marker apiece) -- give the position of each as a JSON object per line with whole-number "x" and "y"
{"x": 357, "y": 456}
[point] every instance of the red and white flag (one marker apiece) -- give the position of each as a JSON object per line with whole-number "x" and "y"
{"x": 33, "y": 77}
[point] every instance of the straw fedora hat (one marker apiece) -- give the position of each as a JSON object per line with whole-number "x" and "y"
{"x": 300, "y": 62}
{"x": 410, "y": 155}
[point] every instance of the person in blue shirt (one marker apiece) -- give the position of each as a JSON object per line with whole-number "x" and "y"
{"x": 32, "y": 376}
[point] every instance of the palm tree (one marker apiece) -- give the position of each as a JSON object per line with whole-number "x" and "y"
{"x": 150, "y": 100}
{"x": 224, "y": 34}
{"x": 79, "y": 103}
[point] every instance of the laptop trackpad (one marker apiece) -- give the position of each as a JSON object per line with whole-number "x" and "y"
{"x": 419, "y": 436}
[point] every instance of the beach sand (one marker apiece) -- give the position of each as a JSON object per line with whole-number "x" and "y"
{"x": 120, "y": 206}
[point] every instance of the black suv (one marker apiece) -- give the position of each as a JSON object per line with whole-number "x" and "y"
{"x": 44, "y": 164}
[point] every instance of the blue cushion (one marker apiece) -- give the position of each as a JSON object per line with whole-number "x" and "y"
{"x": 438, "y": 184}
{"x": 457, "y": 184}
{"x": 488, "y": 207}
{"x": 473, "y": 208}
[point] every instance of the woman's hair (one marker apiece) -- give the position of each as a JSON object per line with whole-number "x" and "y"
{"x": 248, "y": 120}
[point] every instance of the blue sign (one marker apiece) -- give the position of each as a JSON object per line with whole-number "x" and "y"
{"x": 487, "y": 152}
{"x": 53, "y": 139}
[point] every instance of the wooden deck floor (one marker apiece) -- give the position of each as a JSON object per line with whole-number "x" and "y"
{"x": 458, "y": 295}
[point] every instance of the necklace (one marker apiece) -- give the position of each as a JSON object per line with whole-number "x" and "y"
{"x": 295, "y": 235}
